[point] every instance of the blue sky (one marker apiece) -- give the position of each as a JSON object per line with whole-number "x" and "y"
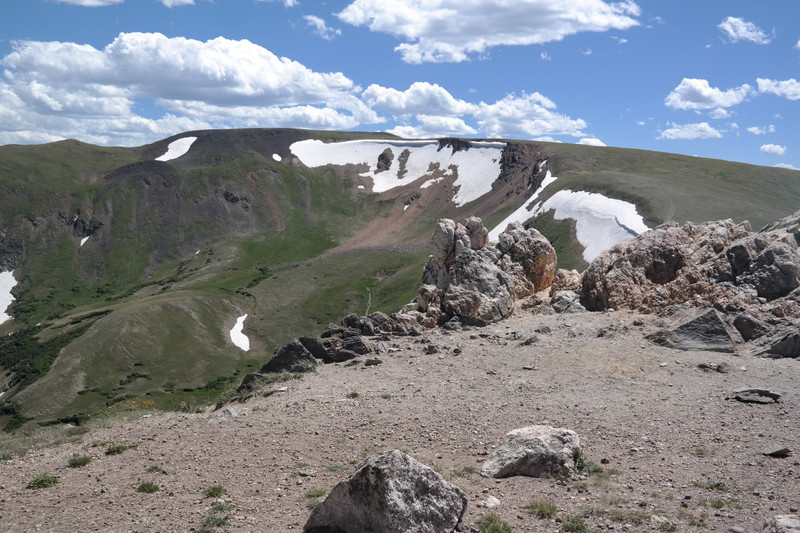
{"x": 712, "y": 78}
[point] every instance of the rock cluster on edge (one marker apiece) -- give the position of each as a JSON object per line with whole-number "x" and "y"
{"x": 783, "y": 524}
{"x": 390, "y": 493}
{"x": 751, "y": 278}
{"x": 534, "y": 451}
{"x": 468, "y": 278}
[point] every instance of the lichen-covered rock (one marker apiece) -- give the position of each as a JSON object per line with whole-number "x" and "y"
{"x": 534, "y": 451}
{"x": 390, "y": 493}
{"x": 789, "y": 523}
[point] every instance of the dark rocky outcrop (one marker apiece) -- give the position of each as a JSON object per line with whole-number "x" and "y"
{"x": 390, "y": 493}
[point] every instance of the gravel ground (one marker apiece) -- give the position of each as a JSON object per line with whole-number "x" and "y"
{"x": 677, "y": 452}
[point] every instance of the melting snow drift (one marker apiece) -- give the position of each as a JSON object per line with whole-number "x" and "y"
{"x": 523, "y": 213}
{"x": 177, "y": 148}
{"x": 476, "y": 167}
{"x": 600, "y": 222}
{"x": 7, "y": 283}
{"x": 237, "y": 337}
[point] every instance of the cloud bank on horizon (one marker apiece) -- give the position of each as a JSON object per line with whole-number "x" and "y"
{"x": 716, "y": 81}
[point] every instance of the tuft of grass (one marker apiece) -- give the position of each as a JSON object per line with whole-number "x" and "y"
{"x": 584, "y": 465}
{"x": 711, "y": 485}
{"x": 352, "y": 395}
{"x": 492, "y": 523}
{"x": 667, "y": 526}
{"x": 542, "y": 509}
{"x": 313, "y": 502}
{"x": 42, "y": 481}
{"x": 574, "y": 524}
{"x": 147, "y": 487}
{"x": 222, "y": 507}
{"x": 315, "y": 492}
{"x": 79, "y": 460}
{"x": 464, "y": 471}
{"x": 214, "y": 491}
{"x": 156, "y": 469}
{"x": 115, "y": 449}
{"x": 213, "y": 521}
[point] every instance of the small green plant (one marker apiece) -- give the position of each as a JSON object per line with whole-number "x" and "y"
{"x": 464, "y": 471}
{"x": 574, "y": 524}
{"x": 214, "y": 491}
{"x": 42, "y": 481}
{"x": 492, "y": 523}
{"x": 352, "y": 395}
{"x": 6, "y": 456}
{"x": 79, "y": 460}
{"x": 667, "y": 526}
{"x": 542, "y": 509}
{"x": 386, "y": 396}
{"x": 313, "y": 502}
{"x": 213, "y": 521}
{"x": 337, "y": 468}
{"x": 222, "y": 507}
{"x": 315, "y": 493}
{"x": 147, "y": 487}
{"x": 115, "y": 449}
{"x": 711, "y": 485}
{"x": 583, "y": 465}
{"x": 156, "y": 469}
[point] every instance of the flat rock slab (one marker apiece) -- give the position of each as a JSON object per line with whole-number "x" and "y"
{"x": 777, "y": 451}
{"x": 756, "y": 396}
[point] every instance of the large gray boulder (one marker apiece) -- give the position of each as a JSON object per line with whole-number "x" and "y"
{"x": 534, "y": 451}
{"x": 789, "y": 523}
{"x": 699, "y": 329}
{"x": 390, "y": 493}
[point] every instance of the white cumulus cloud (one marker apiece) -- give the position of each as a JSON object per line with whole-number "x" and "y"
{"x": 433, "y": 126}
{"x": 591, "y": 141}
{"x": 419, "y": 98}
{"x": 788, "y": 88}
{"x": 773, "y": 149}
{"x": 701, "y": 130}
{"x": 452, "y": 30}
{"x": 59, "y": 86}
{"x": 757, "y": 130}
{"x": 737, "y": 29}
{"x": 286, "y": 3}
{"x": 321, "y": 28}
{"x": 787, "y": 166}
{"x": 177, "y": 3}
{"x": 697, "y": 94}
{"x": 527, "y": 116}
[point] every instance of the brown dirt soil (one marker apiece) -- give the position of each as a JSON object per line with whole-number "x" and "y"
{"x": 674, "y": 447}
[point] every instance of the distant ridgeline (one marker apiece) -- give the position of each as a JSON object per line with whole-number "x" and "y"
{"x": 141, "y": 272}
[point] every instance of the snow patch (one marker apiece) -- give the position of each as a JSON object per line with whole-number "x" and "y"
{"x": 177, "y": 148}
{"x": 277, "y": 158}
{"x": 600, "y": 222}
{"x": 524, "y": 212}
{"x": 7, "y": 283}
{"x": 475, "y": 168}
{"x": 83, "y": 241}
{"x": 237, "y": 337}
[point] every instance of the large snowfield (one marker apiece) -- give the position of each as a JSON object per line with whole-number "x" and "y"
{"x": 177, "y": 148}
{"x": 476, "y": 168}
{"x": 600, "y": 222}
{"x": 237, "y": 337}
{"x": 7, "y": 283}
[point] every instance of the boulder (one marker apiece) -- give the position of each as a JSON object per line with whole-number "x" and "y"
{"x": 789, "y": 523}
{"x": 294, "y": 357}
{"x": 697, "y": 329}
{"x": 566, "y": 302}
{"x": 532, "y": 250}
{"x": 534, "y": 451}
{"x": 390, "y": 493}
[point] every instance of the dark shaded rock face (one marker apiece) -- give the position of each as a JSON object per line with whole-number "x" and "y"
{"x": 294, "y": 357}
{"x": 704, "y": 331}
{"x": 390, "y": 493}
